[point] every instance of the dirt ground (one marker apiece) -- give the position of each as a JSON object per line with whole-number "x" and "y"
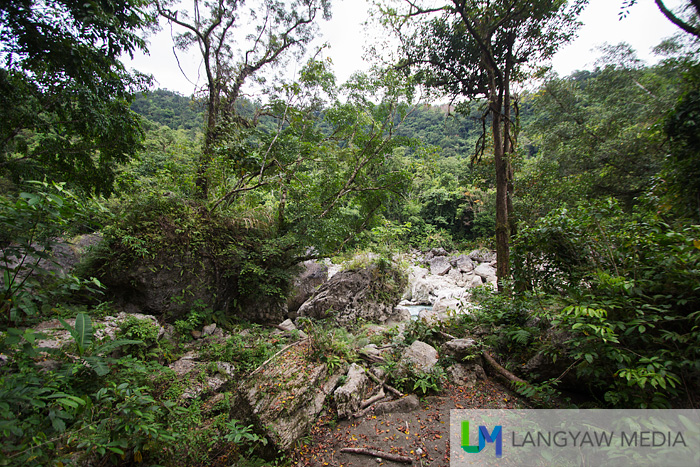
{"x": 422, "y": 434}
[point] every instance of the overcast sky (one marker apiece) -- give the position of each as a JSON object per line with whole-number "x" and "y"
{"x": 644, "y": 28}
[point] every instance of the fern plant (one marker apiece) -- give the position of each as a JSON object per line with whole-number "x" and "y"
{"x": 92, "y": 355}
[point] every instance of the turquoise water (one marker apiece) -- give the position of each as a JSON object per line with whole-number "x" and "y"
{"x": 416, "y": 309}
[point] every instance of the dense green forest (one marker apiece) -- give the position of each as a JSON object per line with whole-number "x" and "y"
{"x": 587, "y": 187}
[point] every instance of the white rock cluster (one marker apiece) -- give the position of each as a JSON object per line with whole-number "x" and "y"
{"x": 445, "y": 283}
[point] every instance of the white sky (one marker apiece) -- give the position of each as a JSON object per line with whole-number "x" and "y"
{"x": 644, "y": 28}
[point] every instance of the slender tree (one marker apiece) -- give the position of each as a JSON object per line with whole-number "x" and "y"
{"x": 479, "y": 48}
{"x": 236, "y": 43}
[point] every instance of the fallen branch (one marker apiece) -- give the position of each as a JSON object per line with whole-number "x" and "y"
{"x": 366, "y": 410}
{"x": 500, "y": 370}
{"x": 373, "y": 399}
{"x": 381, "y": 454}
{"x": 392, "y": 390}
{"x": 371, "y": 358}
{"x": 446, "y": 336}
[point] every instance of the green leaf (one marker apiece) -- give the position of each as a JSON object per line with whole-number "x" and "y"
{"x": 84, "y": 331}
{"x": 109, "y": 346}
{"x": 98, "y": 365}
{"x": 70, "y": 403}
{"x": 116, "y": 450}
{"x": 6, "y": 279}
{"x": 58, "y": 425}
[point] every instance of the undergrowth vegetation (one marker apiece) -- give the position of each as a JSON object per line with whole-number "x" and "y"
{"x": 606, "y": 301}
{"x": 242, "y": 262}
{"x": 104, "y": 401}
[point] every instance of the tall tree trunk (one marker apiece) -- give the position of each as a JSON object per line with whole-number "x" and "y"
{"x": 202, "y": 179}
{"x": 496, "y": 100}
{"x": 510, "y": 136}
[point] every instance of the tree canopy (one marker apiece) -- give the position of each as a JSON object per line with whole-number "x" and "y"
{"x": 478, "y": 49}
{"x": 232, "y": 56}
{"x": 63, "y": 91}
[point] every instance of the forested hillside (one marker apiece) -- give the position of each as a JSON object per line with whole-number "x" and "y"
{"x": 200, "y": 281}
{"x": 170, "y": 109}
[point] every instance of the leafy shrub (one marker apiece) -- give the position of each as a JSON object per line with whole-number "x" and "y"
{"x": 327, "y": 341}
{"x": 410, "y": 379}
{"x": 247, "y": 353}
{"x": 143, "y": 330}
{"x": 92, "y": 354}
{"x": 247, "y": 265}
{"x": 630, "y": 288}
{"x": 30, "y": 226}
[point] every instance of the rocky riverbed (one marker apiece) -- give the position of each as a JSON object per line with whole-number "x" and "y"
{"x": 349, "y": 367}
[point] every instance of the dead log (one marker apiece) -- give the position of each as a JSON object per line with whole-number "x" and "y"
{"x": 392, "y": 390}
{"x": 373, "y": 399}
{"x": 371, "y": 358}
{"x": 447, "y": 336}
{"x": 500, "y": 370}
{"x": 380, "y": 454}
{"x": 366, "y": 410}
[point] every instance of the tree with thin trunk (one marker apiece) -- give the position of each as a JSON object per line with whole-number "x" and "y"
{"x": 236, "y": 44}
{"x": 477, "y": 49}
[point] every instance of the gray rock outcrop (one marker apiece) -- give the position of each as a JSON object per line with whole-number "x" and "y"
{"x": 284, "y": 399}
{"x": 404, "y": 405}
{"x": 486, "y": 271}
{"x": 461, "y": 272}
{"x": 368, "y": 294}
{"x": 313, "y": 274}
{"x": 348, "y": 397}
{"x": 465, "y": 374}
{"x": 459, "y": 348}
{"x": 440, "y": 266}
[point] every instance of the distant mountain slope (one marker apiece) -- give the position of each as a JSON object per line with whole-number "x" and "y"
{"x": 170, "y": 109}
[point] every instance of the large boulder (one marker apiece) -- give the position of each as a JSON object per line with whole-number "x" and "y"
{"x": 440, "y": 266}
{"x": 49, "y": 262}
{"x": 168, "y": 256}
{"x": 404, "y": 405}
{"x": 419, "y": 357}
{"x": 284, "y": 398}
{"x": 464, "y": 263}
{"x": 168, "y": 285}
{"x": 178, "y": 258}
{"x": 458, "y": 277}
{"x": 426, "y": 289}
{"x": 483, "y": 256}
{"x": 312, "y": 275}
{"x": 415, "y": 273}
{"x": 67, "y": 254}
{"x": 460, "y": 348}
{"x": 486, "y": 271}
{"x": 368, "y": 294}
{"x": 447, "y": 304}
{"x": 465, "y": 374}
{"x": 401, "y": 314}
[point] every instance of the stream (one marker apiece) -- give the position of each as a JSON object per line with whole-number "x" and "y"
{"x": 416, "y": 309}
